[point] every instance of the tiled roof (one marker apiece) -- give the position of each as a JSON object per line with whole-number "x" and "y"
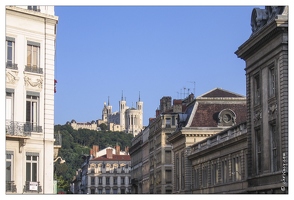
{"x": 218, "y": 92}
{"x": 207, "y": 114}
{"x": 114, "y": 158}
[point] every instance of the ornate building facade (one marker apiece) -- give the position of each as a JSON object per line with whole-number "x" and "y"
{"x": 30, "y": 87}
{"x": 127, "y": 119}
{"x": 109, "y": 173}
{"x": 266, "y": 57}
{"x": 209, "y": 114}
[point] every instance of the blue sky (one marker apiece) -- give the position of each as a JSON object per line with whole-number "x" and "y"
{"x": 154, "y": 51}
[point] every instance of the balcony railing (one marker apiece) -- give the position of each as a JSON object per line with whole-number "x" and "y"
{"x": 32, "y": 187}
{"x": 34, "y": 69}
{"x": 14, "y": 128}
{"x": 10, "y": 187}
{"x": 10, "y": 65}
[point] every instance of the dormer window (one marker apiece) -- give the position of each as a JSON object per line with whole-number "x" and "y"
{"x": 227, "y": 117}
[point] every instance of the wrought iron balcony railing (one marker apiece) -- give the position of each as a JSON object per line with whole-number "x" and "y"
{"x": 10, "y": 187}
{"x": 24, "y": 129}
{"x": 10, "y": 65}
{"x": 34, "y": 69}
{"x": 14, "y": 128}
{"x": 32, "y": 187}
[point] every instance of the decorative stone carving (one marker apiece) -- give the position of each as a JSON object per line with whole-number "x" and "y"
{"x": 12, "y": 77}
{"x": 226, "y": 118}
{"x": 38, "y": 83}
{"x": 260, "y": 17}
{"x": 257, "y": 117}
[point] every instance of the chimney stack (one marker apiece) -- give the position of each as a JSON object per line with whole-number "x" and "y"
{"x": 117, "y": 148}
{"x": 109, "y": 153}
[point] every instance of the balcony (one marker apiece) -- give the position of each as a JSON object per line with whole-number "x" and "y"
{"x": 20, "y": 129}
{"x": 32, "y": 187}
{"x": 10, "y": 187}
{"x": 34, "y": 69}
{"x": 10, "y": 65}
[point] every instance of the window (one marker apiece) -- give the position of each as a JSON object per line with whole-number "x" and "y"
{"x": 272, "y": 82}
{"x": 274, "y": 154}
{"x": 34, "y": 8}
{"x": 32, "y": 160}
{"x": 258, "y": 150}
{"x": 122, "y": 180}
{"x": 114, "y": 191}
{"x": 9, "y": 104}
{"x": 173, "y": 120}
{"x": 10, "y": 53}
{"x": 204, "y": 176}
{"x": 197, "y": 178}
{"x": 236, "y": 170}
{"x": 92, "y": 191}
{"x": 107, "y": 191}
{"x": 256, "y": 90}
{"x": 167, "y": 123}
{"x": 32, "y": 112}
{"x": 99, "y": 191}
{"x": 168, "y": 157}
{"x": 114, "y": 180}
{"x": 9, "y": 171}
{"x": 214, "y": 174}
{"x": 182, "y": 171}
{"x": 122, "y": 191}
{"x": 107, "y": 181}
{"x": 177, "y": 172}
{"x": 100, "y": 180}
{"x": 33, "y": 58}
{"x": 225, "y": 171}
{"x": 92, "y": 181}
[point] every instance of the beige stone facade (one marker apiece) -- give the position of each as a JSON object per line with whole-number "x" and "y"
{"x": 30, "y": 49}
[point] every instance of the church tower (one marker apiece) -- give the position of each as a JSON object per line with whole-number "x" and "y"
{"x": 107, "y": 110}
{"x": 140, "y": 111}
{"x": 122, "y": 110}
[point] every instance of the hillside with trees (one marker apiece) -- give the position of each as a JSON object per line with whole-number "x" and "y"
{"x": 76, "y": 143}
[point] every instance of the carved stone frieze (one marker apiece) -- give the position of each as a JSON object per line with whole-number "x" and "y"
{"x": 37, "y": 83}
{"x": 12, "y": 77}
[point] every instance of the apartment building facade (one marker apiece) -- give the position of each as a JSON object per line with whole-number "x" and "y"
{"x": 160, "y": 149}
{"x": 218, "y": 163}
{"x": 30, "y": 84}
{"x": 266, "y": 56}
{"x": 109, "y": 173}
{"x": 207, "y": 115}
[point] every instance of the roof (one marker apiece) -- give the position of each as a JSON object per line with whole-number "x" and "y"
{"x": 219, "y": 92}
{"x": 114, "y": 158}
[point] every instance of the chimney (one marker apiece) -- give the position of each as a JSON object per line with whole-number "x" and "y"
{"x": 127, "y": 150}
{"x": 91, "y": 152}
{"x": 109, "y": 153}
{"x": 157, "y": 112}
{"x": 117, "y": 148}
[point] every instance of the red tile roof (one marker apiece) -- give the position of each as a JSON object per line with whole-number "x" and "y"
{"x": 114, "y": 158}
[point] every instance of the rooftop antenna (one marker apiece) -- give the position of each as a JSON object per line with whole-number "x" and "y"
{"x": 184, "y": 92}
{"x": 139, "y": 96}
{"x": 194, "y": 86}
{"x": 122, "y": 95}
{"x": 108, "y": 100}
